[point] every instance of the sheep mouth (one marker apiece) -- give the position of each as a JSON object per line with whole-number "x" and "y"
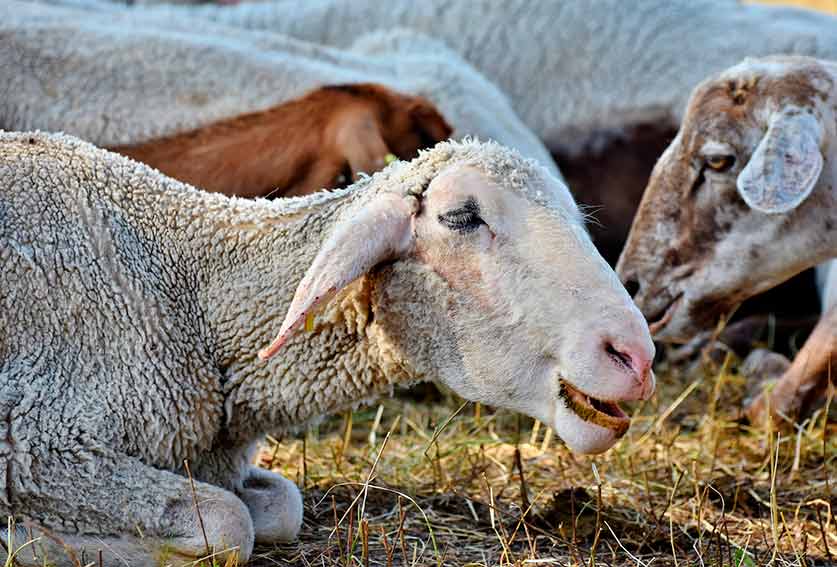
{"x": 593, "y": 410}
{"x": 659, "y": 324}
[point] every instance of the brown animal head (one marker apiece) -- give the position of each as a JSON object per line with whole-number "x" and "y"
{"x": 372, "y": 121}
{"x": 741, "y": 200}
{"x": 324, "y": 139}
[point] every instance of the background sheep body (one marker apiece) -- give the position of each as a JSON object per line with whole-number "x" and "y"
{"x": 603, "y": 84}
{"x": 119, "y": 78}
{"x": 573, "y": 70}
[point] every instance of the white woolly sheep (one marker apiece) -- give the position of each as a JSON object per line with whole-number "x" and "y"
{"x": 133, "y": 308}
{"x": 743, "y": 199}
{"x": 120, "y": 78}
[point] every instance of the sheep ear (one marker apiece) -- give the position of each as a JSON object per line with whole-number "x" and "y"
{"x": 382, "y": 230}
{"x": 786, "y": 164}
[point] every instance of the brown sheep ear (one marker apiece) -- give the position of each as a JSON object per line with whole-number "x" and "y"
{"x": 429, "y": 121}
{"x": 382, "y": 230}
{"x": 786, "y": 165}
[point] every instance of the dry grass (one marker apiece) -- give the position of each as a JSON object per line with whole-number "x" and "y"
{"x": 404, "y": 484}
{"x": 821, "y": 5}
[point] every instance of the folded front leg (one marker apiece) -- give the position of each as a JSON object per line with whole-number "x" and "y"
{"x": 806, "y": 381}
{"x": 135, "y": 514}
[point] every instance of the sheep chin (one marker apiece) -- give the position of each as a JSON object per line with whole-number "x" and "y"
{"x": 678, "y": 324}
{"x": 579, "y": 435}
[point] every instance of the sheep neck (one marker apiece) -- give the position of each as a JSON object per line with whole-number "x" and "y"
{"x": 254, "y": 257}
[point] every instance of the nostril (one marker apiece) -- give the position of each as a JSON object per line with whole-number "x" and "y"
{"x": 619, "y": 356}
{"x": 632, "y": 286}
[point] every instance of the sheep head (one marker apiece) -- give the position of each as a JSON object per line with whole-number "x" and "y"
{"x": 486, "y": 278}
{"x": 741, "y": 200}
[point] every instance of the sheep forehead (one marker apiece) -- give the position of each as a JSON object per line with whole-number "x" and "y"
{"x": 752, "y": 67}
{"x": 734, "y": 108}
{"x": 715, "y": 147}
{"x": 461, "y": 180}
{"x": 456, "y": 180}
{"x": 505, "y": 167}
{"x": 744, "y": 92}
{"x": 776, "y": 67}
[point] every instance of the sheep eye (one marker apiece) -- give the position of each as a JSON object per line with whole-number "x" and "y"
{"x": 465, "y": 219}
{"x": 720, "y": 163}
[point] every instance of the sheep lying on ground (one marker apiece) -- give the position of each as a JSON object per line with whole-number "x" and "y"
{"x": 604, "y": 84}
{"x": 743, "y": 199}
{"x": 133, "y": 308}
{"x": 160, "y": 91}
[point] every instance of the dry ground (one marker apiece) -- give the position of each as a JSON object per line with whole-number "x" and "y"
{"x": 410, "y": 483}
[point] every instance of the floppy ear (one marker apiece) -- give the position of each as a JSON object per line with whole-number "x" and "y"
{"x": 786, "y": 164}
{"x": 380, "y": 231}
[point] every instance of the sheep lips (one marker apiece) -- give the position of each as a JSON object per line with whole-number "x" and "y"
{"x": 658, "y": 324}
{"x": 602, "y": 413}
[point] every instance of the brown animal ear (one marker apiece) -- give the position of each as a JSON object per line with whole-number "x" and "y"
{"x": 429, "y": 121}
{"x": 786, "y": 164}
{"x": 382, "y": 230}
{"x": 360, "y": 141}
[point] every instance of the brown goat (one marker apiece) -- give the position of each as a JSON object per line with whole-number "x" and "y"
{"x": 323, "y": 139}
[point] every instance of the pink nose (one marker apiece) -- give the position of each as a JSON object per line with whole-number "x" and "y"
{"x": 635, "y": 360}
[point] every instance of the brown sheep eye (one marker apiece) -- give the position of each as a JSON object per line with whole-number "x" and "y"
{"x": 720, "y": 163}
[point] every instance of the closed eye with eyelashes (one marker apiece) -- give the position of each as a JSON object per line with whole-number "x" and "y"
{"x": 464, "y": 219}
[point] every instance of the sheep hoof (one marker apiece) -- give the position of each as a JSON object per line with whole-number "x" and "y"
{"x": 275, "y": 505}
{"x": 763, "y": 368}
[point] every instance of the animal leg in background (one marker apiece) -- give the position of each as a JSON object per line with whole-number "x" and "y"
{"x": 806, "y": 379}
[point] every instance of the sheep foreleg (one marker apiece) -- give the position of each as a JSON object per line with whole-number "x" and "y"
{"x": 807, "y": 379}
{"x": 134, "y": 513}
